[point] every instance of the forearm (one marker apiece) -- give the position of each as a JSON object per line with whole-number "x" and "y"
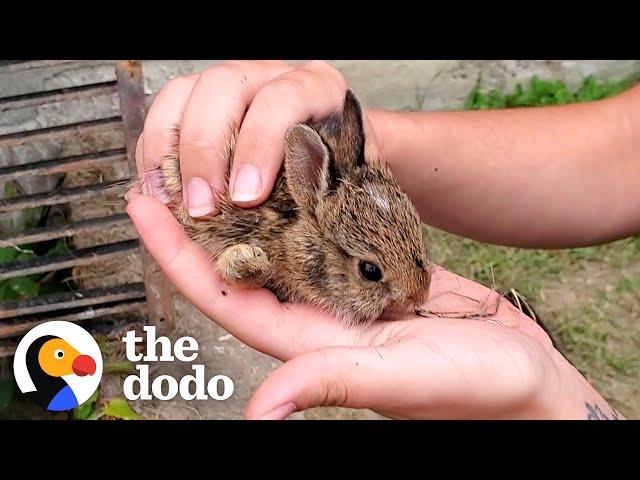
{"x": 548, "y": 177}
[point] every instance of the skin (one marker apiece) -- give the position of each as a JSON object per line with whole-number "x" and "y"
{"x": 497, "y": 365}
{"x": 548, "y": 162}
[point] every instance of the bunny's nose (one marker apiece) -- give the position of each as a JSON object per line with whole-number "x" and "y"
{"x": 401, "y": 309}
{"x": 395, "y": 312}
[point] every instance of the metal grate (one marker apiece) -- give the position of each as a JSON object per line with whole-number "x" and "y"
{"x": 62, "y": 119}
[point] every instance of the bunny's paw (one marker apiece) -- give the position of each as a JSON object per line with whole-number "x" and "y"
{"x": 244, "y": 264}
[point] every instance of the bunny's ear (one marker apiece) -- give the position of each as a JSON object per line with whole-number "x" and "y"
{"x": 306, "y": 165}
{"x": 344, "y": 133}
{"x": 351, "y": 144}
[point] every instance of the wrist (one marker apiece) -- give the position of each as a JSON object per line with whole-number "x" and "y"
{"x": 390, "y": 130}
{"x": 568, "y": 395}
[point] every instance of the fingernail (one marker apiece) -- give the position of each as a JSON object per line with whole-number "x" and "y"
{"x": 199, "y": 197}
{"x": 247, "y": 185}
{"x": 155, "y": 186}
{"x": 280, "y": 413}
{"x": 131, "y": 194}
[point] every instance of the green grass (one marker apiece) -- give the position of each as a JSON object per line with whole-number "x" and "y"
{"x": 600, "y": 331}
{"x": 548, "y": 92}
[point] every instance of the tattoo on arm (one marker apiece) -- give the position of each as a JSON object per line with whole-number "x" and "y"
{"x": 594, "y": 412}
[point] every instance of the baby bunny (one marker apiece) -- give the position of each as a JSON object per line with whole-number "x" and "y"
{"x": 336, "y": 232}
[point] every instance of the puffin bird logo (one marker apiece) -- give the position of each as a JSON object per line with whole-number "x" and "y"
{"x": 58, "y": 369}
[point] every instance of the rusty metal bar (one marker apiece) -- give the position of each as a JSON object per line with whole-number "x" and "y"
{"x": 83, "y": 256}
{"x": 63, "y": 196}
{"x": 57, "y": 301}
{"x": 51, "y": 133}
{"x": 11, "y": 65}
{"x": 77, "y": 228}
{"x": 63, "y": 165}
{"x": 57, "y": 96}
{"x": 7, "y": 331}
{"x": 8, "y": 349}
{"x": 132, "y": 107}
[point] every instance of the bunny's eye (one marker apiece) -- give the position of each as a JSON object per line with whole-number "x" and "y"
{"x": 370, "y": 271}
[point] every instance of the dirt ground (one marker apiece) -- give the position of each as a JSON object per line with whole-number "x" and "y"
{"x": 601, "y": 334}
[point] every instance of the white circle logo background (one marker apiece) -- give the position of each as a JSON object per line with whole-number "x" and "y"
{"x": 76, "y": 336}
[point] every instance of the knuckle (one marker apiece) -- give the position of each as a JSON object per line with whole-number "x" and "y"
{"x": 337, "y": 392}
{"x": 277, "y": 63}
{"x": 196, "y": 143}
{"x": 177, "y": 83}
{"x": 286, "y": 87}
{"x": 163, "y": 135}
{"x": 168, "y": 134}
{"x": 326, "y": 70}
{"x": 333, "y": 85}
{"x": 227, "y": 72}
{"x": 236, "y": 64}
{"x": 289, "y": 81}
{"x": 319, "y": 65}
{"x": 334, "y": 390}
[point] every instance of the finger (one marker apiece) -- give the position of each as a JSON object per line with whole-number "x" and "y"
{"x": 163, "y": 122}
{"x": 336, "y": 376}
{"x": 371, "y": 147}
{"x": 211, "y": 117}
{"x": 454, "y": 296}
{"x": 254, "y": 316}
{"x": 447, "y": 369}
{"x": 308, "y": 93}
{"x": 140, "y": 155}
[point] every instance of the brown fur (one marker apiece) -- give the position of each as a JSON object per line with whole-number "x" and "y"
{"x": 328, "y": 210}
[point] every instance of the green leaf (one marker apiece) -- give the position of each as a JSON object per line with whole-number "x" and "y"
{"x": 25, "y": 255}
{"x": 6, "y": 392}
{"x": 472, "y": 99}
{"x": 119, "y": 408}
{"x": 10, "y": 190}
{"x": 97, "y": 414}
{"x": 84, "y": 411}
{"x": 58, "y": 248}
{"x": 23, "y": 287}
{"x": 8, "y": 254}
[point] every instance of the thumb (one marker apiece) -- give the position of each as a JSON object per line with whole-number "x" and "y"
{"x": 355, "y": 377}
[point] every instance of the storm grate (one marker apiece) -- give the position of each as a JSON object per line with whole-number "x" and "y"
{"x": 60, "y": 119}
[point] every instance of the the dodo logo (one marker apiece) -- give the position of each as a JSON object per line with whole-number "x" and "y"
{"x": 58, "y": 365}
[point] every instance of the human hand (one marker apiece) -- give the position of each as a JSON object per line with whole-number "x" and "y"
{"x": 255, "y": 101}
{"x": 496, "y": 363}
